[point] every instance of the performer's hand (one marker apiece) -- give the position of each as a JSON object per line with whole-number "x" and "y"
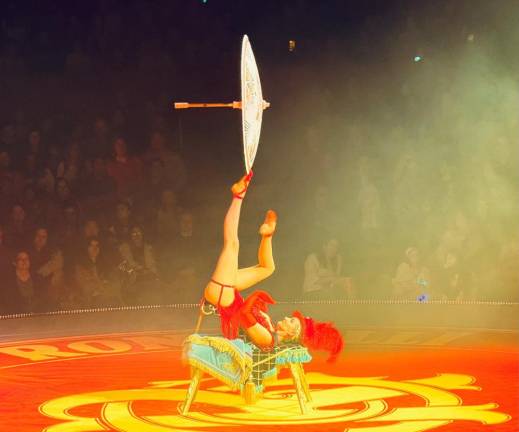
{"x": 259, "y": 299}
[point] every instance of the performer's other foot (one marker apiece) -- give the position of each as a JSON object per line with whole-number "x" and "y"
{"x": 269, "y": 224}
{"x": 239, "y": 189}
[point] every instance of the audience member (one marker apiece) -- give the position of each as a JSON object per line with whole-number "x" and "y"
{"x": 47, "y": 265}
{"x": 323, "y": 279}
{"x": 167, "y": 218}
{"x": 124, "y": 169}
{"x": 94, "y": 279}
{"x": 174, "y": 166}
{"x": 18, "y": 230}
{"x": 182, "y": 265}
{"x": 24, "y": 288}
{"x": 412, "y": 279}
{"x": 141, "y": 283}
{"x": 120, "y": 228}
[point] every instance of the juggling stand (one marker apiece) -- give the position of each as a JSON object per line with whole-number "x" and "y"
{"x": 242, "y": 366}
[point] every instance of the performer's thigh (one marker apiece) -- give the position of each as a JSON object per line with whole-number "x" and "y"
{"x": 225, "y": 273}
{"x": 250, "y": 276}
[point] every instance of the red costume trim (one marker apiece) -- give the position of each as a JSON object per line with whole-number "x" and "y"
{"x": 229, "y": 315}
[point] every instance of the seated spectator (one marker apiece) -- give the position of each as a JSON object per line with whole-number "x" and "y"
{"x": 70, "y": 168}
{"x": 167, "y": 218}
{"x": 412, "y": 278}
{"x": 63, "y": 191}
{"x": 174, "y": 166}
{"x": 323, "y": 278}
{"x": 124, "y": 169}
{"x": 445, "y": 274}
{"x": 183, "y": 265}
{"x": 18, "y": 230}
{"x": 67, "y": 228}
{"x": 22, "y": 286}
{"x": 508, "y": 270}
{"x": 90, "y": 229}
{"x": 99, "y": 184}
{"x": 99, "y": 143}
{"x": 93, "y": 277}
{"x": 120, "y": 228}
{"x": 141, "y": 283}
{"x": 47, "y": 265}
{"x": 6, "y": 258}
{"x": 33, "y": 154}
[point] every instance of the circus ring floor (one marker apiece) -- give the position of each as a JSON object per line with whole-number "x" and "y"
{"x": 406, "y": 368}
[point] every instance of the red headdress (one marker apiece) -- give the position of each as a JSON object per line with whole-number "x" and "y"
{"x": 320, "y": 336}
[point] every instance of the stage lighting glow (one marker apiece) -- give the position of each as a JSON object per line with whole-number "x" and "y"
{"x": 418, "y": 58}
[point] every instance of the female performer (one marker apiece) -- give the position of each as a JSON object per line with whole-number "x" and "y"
{"x": 227, "y": 281}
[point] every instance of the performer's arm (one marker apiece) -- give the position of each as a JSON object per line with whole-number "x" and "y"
{"x": 260, "y": 336}
{"x": 258, "y": 333}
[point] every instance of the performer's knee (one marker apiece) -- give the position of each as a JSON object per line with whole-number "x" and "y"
{"x": 232, "y": 244}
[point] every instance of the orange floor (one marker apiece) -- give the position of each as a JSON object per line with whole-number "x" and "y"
{"x": 134, "y": 382}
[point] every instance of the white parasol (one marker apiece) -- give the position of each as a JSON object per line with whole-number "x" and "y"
{"x": 251, "y": 104}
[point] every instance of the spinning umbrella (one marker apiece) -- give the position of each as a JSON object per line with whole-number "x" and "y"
{"x": 251, "y": 104}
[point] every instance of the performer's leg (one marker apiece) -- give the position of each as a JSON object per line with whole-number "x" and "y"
{"x": 226, "y": 269}
{"x": 250, "y": 276}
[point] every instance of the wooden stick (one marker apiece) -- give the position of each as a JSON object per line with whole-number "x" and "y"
{"x": 184, "y": 105}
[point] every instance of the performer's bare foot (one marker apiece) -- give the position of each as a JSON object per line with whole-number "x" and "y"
{"x": 269, "y": 224}
{"x": 239, "y": 189}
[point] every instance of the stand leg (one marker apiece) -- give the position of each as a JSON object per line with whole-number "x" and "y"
{"x": 196, "y": 376}
{"x": 249, "y": 393}
{"x": 299, "y": 388}
{"x": 304, "y": 382}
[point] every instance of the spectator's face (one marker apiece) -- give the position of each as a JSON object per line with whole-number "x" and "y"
{"x": 168, "y": 198}
{"x": 157, "y": 142}
{"x": 34, "y": 140}
{"x": 91, "y": 229}
{"x": 62, "y": 190}
{"x": 22, "y": 261}
{"x": 136, "y": 236}
{"x": 18, "y": 214}
{"x": 120, "y": 148}
{"x": 5, "y": 159}
{"x": 93, "y": 249}
{"x": 186, "y": 223}
{"x": 123, "y": 212}
{"x": 414, "y": 257}
{"x": 40, "y": 239}
{"x": 100, "y": 127}
{"x": 46, "y": 181}
{"x": 331, "y": 249}
{"x": 73, "y": 152}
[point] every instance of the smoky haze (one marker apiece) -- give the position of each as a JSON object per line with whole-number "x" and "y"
{"x": 393, "y": 129}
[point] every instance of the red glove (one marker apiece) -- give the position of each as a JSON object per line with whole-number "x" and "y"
{"x": 257, "y": 300}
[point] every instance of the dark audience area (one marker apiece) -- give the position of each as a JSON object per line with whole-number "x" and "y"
{"x": 385, "y": 188}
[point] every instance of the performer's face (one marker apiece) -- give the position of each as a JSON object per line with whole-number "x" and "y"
{"x": 288, "y": 328}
